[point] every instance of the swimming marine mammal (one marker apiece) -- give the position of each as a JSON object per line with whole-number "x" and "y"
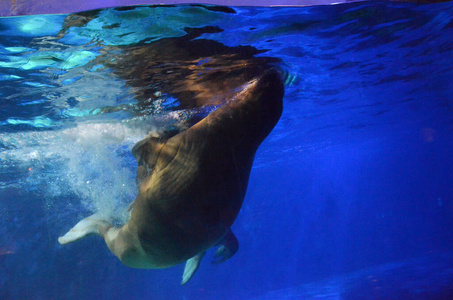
{"x": 193, "y": 184}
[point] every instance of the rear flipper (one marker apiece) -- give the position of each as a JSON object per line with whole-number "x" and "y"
{"x": 228, "y": 246}
{"x": 191, "y": 267}
{"x": 94, "y": 224}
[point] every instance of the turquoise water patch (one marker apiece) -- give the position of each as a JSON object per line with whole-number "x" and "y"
{"x": 38, "y": 122}
{"x": 32, "y": 26}
{"x": 117, "y": 27}
{"x": 16, "y": 50}
{"x": 37, "y": 84}
{"x": 25, "y": 103}
{"x": 38, "y": 60}
{"x": 71, "y": 80}
{"x": 9, "y": 77}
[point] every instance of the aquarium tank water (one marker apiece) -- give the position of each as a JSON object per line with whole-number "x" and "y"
{"x": 349, "y": 197}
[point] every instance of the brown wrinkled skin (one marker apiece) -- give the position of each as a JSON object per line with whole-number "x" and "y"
{"x": 200, "y": 176}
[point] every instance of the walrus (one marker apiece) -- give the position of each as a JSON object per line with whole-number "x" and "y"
{"x": 192, "y": 185}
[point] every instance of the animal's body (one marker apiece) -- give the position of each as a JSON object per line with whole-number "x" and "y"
{"x": 195, "y": 184}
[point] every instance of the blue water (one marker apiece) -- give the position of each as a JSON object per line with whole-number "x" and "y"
{"x": 350, "y": 196}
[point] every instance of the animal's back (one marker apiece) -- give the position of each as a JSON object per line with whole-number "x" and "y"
{"x": 200, "y": 178}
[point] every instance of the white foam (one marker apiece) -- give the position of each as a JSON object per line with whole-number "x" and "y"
{"x": 90, "y": 160}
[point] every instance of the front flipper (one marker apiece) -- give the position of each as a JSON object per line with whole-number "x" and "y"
{"x": 94, "y": 224}
{"x": 191, "y": 267}
{"x": 146, "y": 150}
{"x": 228, "y": 246}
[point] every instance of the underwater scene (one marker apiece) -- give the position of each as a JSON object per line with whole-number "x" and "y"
{"x": 350, "y": 193}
